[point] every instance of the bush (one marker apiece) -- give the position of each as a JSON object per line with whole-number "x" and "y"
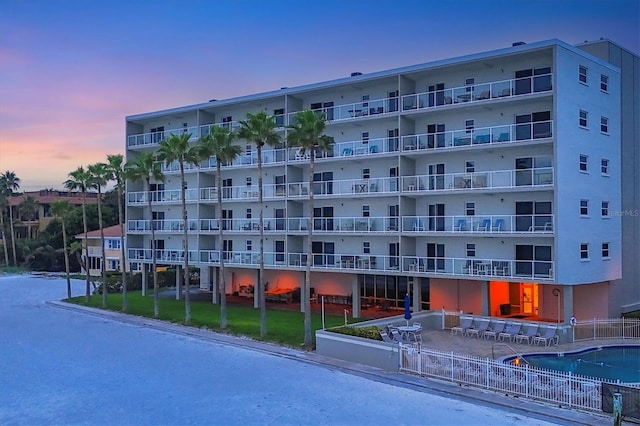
{"x": 369, "y": 332}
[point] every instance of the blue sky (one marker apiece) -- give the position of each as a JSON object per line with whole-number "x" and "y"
{"x": 70, "y": 70}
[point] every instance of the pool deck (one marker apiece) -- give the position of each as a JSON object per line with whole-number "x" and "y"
{"x": 444, "y": 340}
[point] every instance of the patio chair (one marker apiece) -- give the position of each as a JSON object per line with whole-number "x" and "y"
{"x": 465, "y": 324}
{"x": 510, "y": 332}
{"x": 547, "y": 337}
{"x": 386, "y": 338}
{"x": 461, "y": 225}
{"x": 494, "y": 330}
{"x": 398, "y": 337}
{"x": 528, "y": 335}
{"x": 478, "y": 331}
{"x": 498, "y": 225}
{"x": 485, "y": 225}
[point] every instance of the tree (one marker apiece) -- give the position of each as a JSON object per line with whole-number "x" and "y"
{"x": 307, "y": 133}
{"x": 80, "y": 180}
{"x": 260, "y": 128}
{"x": 176, "y": 148}
{"x": 10, "y": 183}
{"x": 28, "y": 210}
{"x": 219, "y": 143}
{"x": 60, "y": 209}
{"x": 3, "y": 202}
{"x": 100, "y": 176}
{"x": 145, "y": 168}
{"x": 115, "y": 166}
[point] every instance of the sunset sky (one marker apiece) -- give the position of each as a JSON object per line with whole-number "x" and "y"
{"x": 70, "y": 70}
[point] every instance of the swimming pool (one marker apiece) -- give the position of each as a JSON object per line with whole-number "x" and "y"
{"x": 609, "y": 362}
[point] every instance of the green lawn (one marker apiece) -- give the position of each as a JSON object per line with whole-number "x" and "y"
{"x": 283, "y": 327}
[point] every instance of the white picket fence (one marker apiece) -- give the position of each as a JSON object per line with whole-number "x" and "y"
{"x": 566, "y": 389}
{"x": 623, "y": 328}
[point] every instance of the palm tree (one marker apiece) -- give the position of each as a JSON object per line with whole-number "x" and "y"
{"x": 307, "y": 133}
{"x": 28, "y": 210}
{"x": 3, "y": 201}
{"x": 115, "y": 165}
{"x": 260, "y": 129}
{"x": 80, "y": 180}
{"x": 60, "y": 210}
{"x": 219, "y": 142}
{"x": 146, "y": 167}
{"x": 100, "y": 175}
{"x": 10, "y": 183}
{"x": 176, "y": 148}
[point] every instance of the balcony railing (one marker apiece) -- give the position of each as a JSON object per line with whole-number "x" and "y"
{"x": 168, "y": 196}
{"x": 487, "y": 135}
{"x": 496, "y": 268}
{"x": 481, "y": 224}
{"x": 154, "y": 138}
{"x": 479, "y": 180}
{"x": 164, "y": 256}
{"x": 165, "y": 225}
{"x": 478, "y": 92}
{"x": 354, "y": 110}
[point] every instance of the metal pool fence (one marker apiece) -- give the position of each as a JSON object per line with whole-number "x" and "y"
{"x": 623, "y": 328}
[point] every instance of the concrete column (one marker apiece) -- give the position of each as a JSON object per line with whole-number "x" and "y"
{"x": 178, "y": 282}
{"x": 567, "y": 300}
{"x": 416, "y": 290}
{"x": 205, "y": 278}
{"x": 355, "y": 296}
{"x": 484, "y": 294}
{"x": 144, "y": 278}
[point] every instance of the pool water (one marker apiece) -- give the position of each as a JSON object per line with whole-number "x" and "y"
{"x": 611, "y": 363}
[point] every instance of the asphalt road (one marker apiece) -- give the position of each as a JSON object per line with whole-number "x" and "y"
{"x": 63, "y": 367}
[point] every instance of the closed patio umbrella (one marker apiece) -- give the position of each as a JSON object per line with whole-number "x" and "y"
{"x": 407, "y": 308}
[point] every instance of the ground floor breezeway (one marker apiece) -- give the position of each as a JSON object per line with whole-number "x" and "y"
{"x": 385, "y": 294}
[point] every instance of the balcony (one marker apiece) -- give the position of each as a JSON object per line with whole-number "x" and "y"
{"x": 169, "y": 196}
{"x": 356, "y": 110}
{"x": 475, "y": 267}
{"x": 154, "y": 138}
{"x": 480, "y": 224}
{"x": 481, "y": 136}
{"x": 162, "y": 256}
{"x": 497, "y": 179}
{"x": 478, "y": 93}
{"x": 166, "y": 225}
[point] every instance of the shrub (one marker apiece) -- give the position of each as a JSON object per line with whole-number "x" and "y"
{"x": 369, "y": 332}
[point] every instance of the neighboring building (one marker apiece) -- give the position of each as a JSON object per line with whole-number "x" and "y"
{"x": 485, "y": 184}
{"x": 30, "y": 224}
{"x": 625, "y": 294}
{"x": 112, "y": 247}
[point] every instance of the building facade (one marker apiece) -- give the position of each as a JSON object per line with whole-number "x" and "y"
{"x": 92, "y": 249}
{"x": 481, "y": 184}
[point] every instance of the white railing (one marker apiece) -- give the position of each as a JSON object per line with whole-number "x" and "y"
{"x": 164, "y": 256}
{"x": 168, "y": 196}
{"x": 479, "y": 136}
{"x": 566, "y": 389}
{"x": 478, "y": 92}
{"x": 165, "y": 225}
{"x": 623, "y": 328}
{"x": 478, "y": 180}
{"x": 478, "y": 267}
{"x": 482, "y": 224}
{"x": 354, "y": 110}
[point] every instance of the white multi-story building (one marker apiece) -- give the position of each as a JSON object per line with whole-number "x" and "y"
{"x": 483, "y": 183}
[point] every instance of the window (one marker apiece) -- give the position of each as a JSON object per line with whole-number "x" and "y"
{"x": 279, "y": 117}
{"x": 470, "y": 209}
{"x": 114, "y": 264}
{"x": 582, "y": 74}
{"x": 604, "y": 166}
{"x": 604, "y": 211}
{"x": 584, "y": 251}
{"x": 533, "y": 126}
{"x": 470, "y": 166}
{"x": 471, "y": 250}
{"x": 248, "y": 212}
{"x": 248, "y": 180}
{"x": 366, "y": 247}
{"x": 366, "y": 173}
{"x": 604, "y": 124}
{"x": 584, "y": 207}
{"x": 365, "y": 137}
{"x": 604, "y": 83}
{"x": 112, "y": 244}
{"x": 605, "y": 250}
{"x": 249, "y": 245}
{"x": 469, "y": 125}
{"x": 279, "y": 251}
{"x": 583, "y": 118}
{"x": 584, "y": 159}
{"x": 366, "y": 211}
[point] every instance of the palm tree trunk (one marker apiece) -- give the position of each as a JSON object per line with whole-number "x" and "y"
{"x": 103, "y": 257}
{"x": 187, "y": 301}
{"x": 261, "y": 289}
{"x": 156, "y": 306}
{"x": 87, "y": 295}
{"x": 306, "y": 293}
{"x": 66, "y": 259}
{"x": 4, "y": 238}
{"x": 123, "y": 264}
{"x": 223, "y": 293}
{"x": 13, "y": 235}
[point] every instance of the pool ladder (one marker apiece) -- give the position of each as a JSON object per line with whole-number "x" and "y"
{"x": 518, "y": 354}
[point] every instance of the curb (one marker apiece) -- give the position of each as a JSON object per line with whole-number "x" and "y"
{"x": 431, "y": 386}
